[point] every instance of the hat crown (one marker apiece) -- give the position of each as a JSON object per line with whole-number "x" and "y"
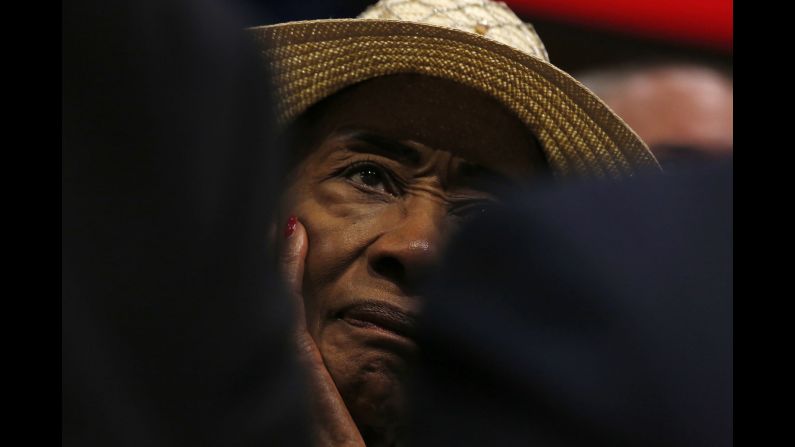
{"x": 493, "y": 20}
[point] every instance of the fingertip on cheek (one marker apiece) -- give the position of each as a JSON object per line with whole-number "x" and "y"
{"x": 289, "y": 229}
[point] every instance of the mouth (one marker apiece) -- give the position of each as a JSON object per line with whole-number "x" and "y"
{"x": 382, "y": 317}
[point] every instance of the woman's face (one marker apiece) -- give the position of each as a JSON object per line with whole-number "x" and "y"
{"x": 394, "y": 166}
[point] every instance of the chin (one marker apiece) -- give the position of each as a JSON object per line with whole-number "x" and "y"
{"x": 372, "y": 378}
{"x": 376, "y": 397}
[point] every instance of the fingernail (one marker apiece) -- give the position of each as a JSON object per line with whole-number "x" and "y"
{"x": 288, "y": 231}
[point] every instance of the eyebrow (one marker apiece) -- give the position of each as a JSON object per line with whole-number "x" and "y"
{"x": 484, "y": 177}
{"x": 384, "y": 146}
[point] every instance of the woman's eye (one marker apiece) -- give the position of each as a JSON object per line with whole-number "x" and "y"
{"x": 472, "y": 210}
{"x": 372, "y": 177}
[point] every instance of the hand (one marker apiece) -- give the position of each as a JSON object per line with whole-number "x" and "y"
{"x": 333, "y": 424}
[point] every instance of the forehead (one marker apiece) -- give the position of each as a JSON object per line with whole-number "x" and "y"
{"x": 432, "y": 112}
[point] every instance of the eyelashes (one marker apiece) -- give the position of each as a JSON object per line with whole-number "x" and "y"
{"x": 373, "y": 177}
{"x": 472, "y": 209}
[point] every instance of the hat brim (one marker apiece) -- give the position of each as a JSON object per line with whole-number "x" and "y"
{"x": 580, "y": 135}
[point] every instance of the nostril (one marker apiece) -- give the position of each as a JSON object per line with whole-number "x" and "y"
{"x": 390, "y": 268}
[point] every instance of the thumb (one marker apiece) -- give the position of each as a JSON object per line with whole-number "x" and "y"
{"x": 291, "y": 265}
{"x": 293, "y": 255}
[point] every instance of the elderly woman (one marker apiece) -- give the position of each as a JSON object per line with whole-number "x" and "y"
{"x": 403, "y": 123}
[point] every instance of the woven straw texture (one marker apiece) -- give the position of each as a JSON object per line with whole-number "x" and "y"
{"x": 580, "y": 135}
{"x": 490, "y": 19}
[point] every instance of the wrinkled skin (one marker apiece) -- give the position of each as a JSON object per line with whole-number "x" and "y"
{"x": 390, "y": 168}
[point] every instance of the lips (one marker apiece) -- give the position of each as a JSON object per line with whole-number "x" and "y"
{"x": 383, "y": 316}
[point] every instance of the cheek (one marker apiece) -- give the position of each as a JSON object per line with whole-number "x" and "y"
{"x": 339, "y": 218}
{"x": 333, "y": 247}
{"x": 339, "y": 229}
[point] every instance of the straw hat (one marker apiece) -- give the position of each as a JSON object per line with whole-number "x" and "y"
{"x": 478, "y": 43}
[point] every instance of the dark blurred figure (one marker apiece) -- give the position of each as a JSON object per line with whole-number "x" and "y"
{"x": 174, "y": 327}
{"x": 593, "y": 315}
{"x": 684, "y": 112}
{"x": 263, "y": 12}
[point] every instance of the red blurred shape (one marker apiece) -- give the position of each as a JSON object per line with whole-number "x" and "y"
{"x": 699, "y": 22}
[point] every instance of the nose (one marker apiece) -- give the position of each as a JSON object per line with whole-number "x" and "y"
{"x": 410, "y": 247}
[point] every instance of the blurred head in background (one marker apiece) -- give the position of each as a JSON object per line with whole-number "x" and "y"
{"x": 683, "y": 112}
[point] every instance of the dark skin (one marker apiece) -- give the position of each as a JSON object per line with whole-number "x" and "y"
{"x": 390, "y": 169}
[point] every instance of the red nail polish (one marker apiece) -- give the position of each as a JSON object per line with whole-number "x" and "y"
{"x": 290, "y": 226}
